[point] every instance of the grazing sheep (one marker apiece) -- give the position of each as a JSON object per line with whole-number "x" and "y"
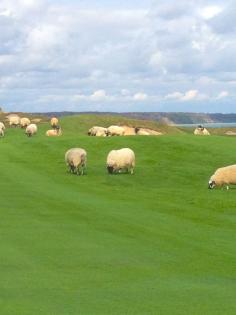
{"x": 1, "y": 132}
{"x": 115, "y": 131}
{"x": 97, "y": 131}
{"x": 223, "y": 176}
{"x": 31, "y": 130}
{"x": 24, "y": 122}
{"x": 54, "y": 132}
{"x": 14, "y": 120}
{"x": 76, "y": 159}
{"x": 2, "y": 126}
{"x": 118, "y": 160}
{"x": 201, "y": 131}
{"x": 54, "y": 122}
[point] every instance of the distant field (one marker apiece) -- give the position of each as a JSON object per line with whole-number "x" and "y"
{"x": 157, "y": 242}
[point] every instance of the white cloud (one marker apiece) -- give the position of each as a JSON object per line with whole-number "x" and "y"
{"x": 210, "y": 11}
{"x": 99, "y": 95}
{"x": 174, "y": 95}
{"x": 222, "y": 94}
{"x": 191, "y": 95}
{"x": 57, "y": 47}
{"x": 140, "y": 96}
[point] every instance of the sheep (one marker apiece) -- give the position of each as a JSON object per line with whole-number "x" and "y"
{"x": 76, "y": 159}
{"x": 115, "y": 131}
{"x": 54, "y": 132}
{"x": 118, "y": 160}
{"x": 54, "y": 122}
{"x": 147, "y": 132}
{"x": 24, "y": 122}
{"x": 223, "y": 176}
{"x": 14, "y": 120}
{"x": 97, "y": 131}
{"x": 31, "y": 130}
{"x": 129, "y": 131}
{"x": 1, "y": 132}
{"x": 2, "y": 126}
{"x": 201, "y": 131}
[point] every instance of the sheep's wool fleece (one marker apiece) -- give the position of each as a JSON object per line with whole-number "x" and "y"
{"x": 121, "y": 158}
{"x": 75, "y": 156}
{"x": 225, "y": 175}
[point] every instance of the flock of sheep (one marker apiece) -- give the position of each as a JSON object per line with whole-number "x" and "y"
{"x": 76, "y": 158}
{"x": 122, "y": 131}
{"x": 117, "y": 160}
{"x": 30, "y": 126}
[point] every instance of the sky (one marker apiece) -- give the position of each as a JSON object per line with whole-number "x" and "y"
{"x": 121, "y": 56}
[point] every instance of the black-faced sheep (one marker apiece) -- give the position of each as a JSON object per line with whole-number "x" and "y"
{"x": 31, "y": 130}
{"x": 223, "y": 176}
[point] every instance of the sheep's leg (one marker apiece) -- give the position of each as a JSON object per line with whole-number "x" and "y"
{"x": 132, "y": 170}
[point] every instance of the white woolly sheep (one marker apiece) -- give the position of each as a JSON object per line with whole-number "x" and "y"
{"x": 76, "y": 159}
{"x": 24, "y": 122}
{"x": 54, "y": 132}
{"x": 129, "y": 131}
{"x": 2, "y": 126}
{"x": 1, "y": 132}
{"x": 14, "y": 120}
{"x": 223, "y": 176}
{"x": 201, "y": 131}
{"x": 118, "y": 160}
{"x": 97, "y": 131}
{"x": 54, "y": 122}
{"x": 31, "y": 130}
{"x": 147, "y": 132}
{"x": 115, "y": 131}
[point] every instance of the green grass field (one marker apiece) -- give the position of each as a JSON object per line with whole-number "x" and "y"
{"x": 157, "y": 242}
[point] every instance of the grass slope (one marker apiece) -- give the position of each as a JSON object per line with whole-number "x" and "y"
{"x": 82, "y": 123}
{"x": 158, "y": 242}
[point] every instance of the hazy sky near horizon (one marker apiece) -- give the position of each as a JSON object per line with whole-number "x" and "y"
{"x": 107, "y": 55}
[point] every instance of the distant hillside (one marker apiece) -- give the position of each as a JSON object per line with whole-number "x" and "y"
{"x": 167, "y": 118}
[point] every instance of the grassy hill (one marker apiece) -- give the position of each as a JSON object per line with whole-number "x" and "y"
{"x": 82, "y": 123}
{"x": 157, "y": 242}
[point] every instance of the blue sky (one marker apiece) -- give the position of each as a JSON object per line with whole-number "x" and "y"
{"x": 109, "y": 55}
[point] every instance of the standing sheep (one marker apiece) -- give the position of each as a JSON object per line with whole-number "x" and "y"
{"x": 118, "y": 160}
{"x": 24, "y": 122}
{"x": 115, "y": 131}
{"x": 14, "y": 120}
{"x": 54, "y": 122}
{"x": 31, "y": 130}
{"x": 223, "y": 176}
{"x": 2, "y": 126}
{"x": 1, "y": 132}
{"x": 76, "y": 159}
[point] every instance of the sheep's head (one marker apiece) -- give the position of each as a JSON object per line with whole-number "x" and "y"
{"x": 211, "y": 184}
{"x": 110, "y": 169}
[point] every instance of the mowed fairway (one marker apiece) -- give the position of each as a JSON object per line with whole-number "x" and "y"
{"x": 157, "y": 242}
